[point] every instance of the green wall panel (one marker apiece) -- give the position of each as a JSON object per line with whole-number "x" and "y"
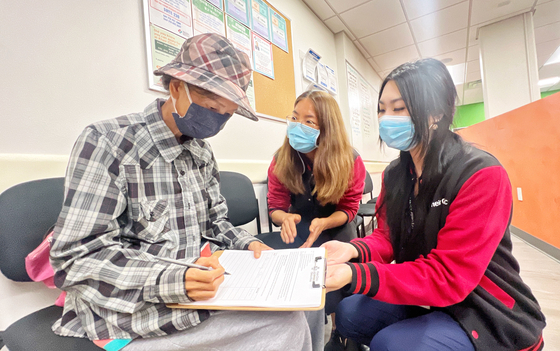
{"x": 467, "y": 115}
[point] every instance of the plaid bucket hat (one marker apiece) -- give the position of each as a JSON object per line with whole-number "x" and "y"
{"x": 210, "y": 62}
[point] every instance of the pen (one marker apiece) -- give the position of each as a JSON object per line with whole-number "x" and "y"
{"x": 186, "y": 264}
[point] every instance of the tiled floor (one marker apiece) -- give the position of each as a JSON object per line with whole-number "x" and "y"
{"x": 542, "y": 274}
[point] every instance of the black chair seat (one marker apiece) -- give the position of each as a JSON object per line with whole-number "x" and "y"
{"x": 33, "y": 332}
{"x": 359, "y": 220}
{"x": 366, "y": 210}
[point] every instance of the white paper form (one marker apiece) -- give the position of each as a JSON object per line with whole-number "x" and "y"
{"x": 279, "y": 278}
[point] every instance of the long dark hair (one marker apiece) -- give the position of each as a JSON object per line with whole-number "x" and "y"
{"x": 427, "y": 91}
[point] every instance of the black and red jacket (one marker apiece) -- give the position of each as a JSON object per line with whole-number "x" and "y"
{"x": 470, "y": 272}
{"x": 306, "y": 204}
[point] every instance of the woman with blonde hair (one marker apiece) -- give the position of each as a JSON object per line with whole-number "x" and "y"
{"x": 316, "y": 179}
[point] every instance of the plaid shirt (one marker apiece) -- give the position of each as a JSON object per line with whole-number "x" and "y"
{"x": 133, "y": 193}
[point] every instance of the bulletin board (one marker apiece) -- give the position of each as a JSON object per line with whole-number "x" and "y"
{"x": 168, "y": 23}
{"x": 276, "y": 97}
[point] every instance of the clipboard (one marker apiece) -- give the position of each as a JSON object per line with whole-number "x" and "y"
{"x": 317, "y": 281}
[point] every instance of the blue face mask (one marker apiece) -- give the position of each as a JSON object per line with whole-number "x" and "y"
{"x": 199, "y": 122}
{"x": 302, "y": 138}
{"x": 397, "y": 131}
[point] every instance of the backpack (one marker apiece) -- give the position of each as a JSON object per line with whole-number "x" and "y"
{"x": 38, "y": 265}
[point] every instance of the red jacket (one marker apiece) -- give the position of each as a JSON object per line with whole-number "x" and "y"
{"x": 470, "y": 273}
{"x": 280, "y": 198}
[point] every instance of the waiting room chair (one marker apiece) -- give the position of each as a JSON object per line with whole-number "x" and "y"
{"x": 243, "y": 206}
{"x": 270, "y": 224}
{"x": 27, "y": 211}
{"x": 367, "y": 209}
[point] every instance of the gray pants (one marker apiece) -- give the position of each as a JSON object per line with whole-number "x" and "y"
{"x": 239, "y": 330}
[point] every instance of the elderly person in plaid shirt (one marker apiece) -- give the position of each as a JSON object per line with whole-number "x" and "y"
{"x": 146, "y": 185}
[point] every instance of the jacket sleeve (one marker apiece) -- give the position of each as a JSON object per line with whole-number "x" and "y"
{"x": 474, "y": 227}
{"x": 86, "y": 252}
{"x": 278, "y": 196}
{"x": 350, "y": 201}
{"x": 376, "y": 247}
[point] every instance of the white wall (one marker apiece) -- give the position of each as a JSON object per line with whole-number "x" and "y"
{"x": 510, "y": 45}
{"x": 348, "y": 52}
{"x": 65, "y": 64}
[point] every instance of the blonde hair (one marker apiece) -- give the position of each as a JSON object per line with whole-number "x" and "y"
{"x": 334, "y": 160}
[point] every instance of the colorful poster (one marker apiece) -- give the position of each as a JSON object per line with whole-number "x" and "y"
{"x": 260, "y": 20}
{"x": 217, "y": 3}
{"x": 239, "y": 35}
{"x": 207, "y": 18}
{"x": 262, "y": 56}
{"x": 332, "y": 80}
{"x": 238, "y": 9}
{"x": 165, "y": 46}
{"x": 279, "y": 31}
{"x": 173, "y": 15}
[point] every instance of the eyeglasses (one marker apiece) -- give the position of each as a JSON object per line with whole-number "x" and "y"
{"x": 307, "y": 122}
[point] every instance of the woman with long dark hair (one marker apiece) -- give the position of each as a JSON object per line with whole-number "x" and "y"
{"x": 438, "y": 273}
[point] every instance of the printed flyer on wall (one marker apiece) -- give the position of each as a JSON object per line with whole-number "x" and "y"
{"x": 279, "y": 31}
{"x": 370, "y": 129}
{"x": 309, "y": 65}
{"x": 173, "y": 15}
{"x": 217, "y": 3}
{"x": 262, "y": 56}
{"x": 260, "y": 19}
{"x": 322, "y": 76}
{"x": 239, "y": 35}
{"x": 207, "y": 18}
{"x": 355, "y": 107}
{"x": 251, "y": 93}
{"x": 239, "y": 9}
{"x": 165, "y": 46}
{"x": 332, "y": 80}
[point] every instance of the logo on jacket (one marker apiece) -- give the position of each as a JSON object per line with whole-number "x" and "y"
{"x": 443, "y": 201}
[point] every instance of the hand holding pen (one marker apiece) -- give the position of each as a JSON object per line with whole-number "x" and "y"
{"x": 202, "y": 284}
{"x": 187, "y": 264}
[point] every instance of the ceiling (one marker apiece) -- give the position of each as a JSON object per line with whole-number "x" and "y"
{"x": 391, "y": 32}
